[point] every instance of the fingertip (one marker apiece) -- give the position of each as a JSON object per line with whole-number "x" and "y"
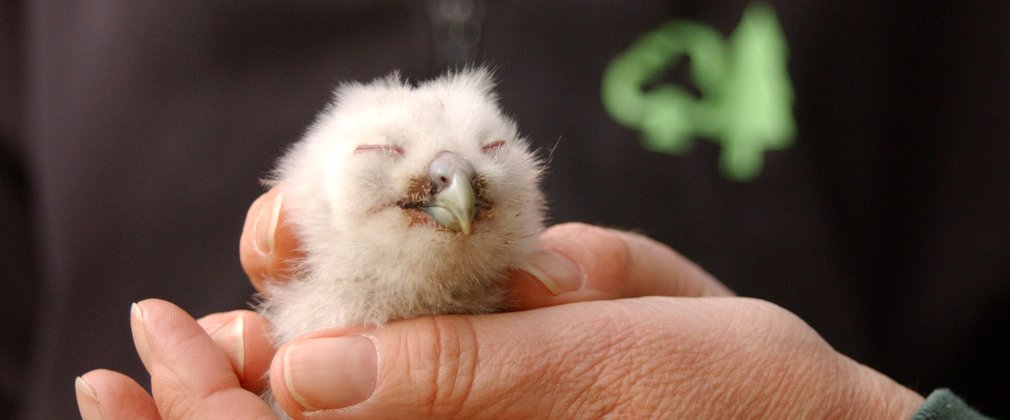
{"x": 255, "y": 261}
{"x": 244, "y": 338}
{"x": 579, "y": 262}
{"x": 87, "y": 402}
{"x": 526, "y": 291}
{"x": 279, "y": 384}
{"x": 574, "y": 262}
{"x": 139, "y": 333}
{"x": 601, "y": 256}
{"x": 228, "y": 332}
{"x": 106, "y": 394}
{"x": 268, "y": 247}
{"x": 555, "y": 270}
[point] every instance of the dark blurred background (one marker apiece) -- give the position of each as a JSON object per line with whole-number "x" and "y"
{"x": 134, "y": 132}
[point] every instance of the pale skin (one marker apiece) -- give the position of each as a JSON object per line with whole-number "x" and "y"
{"x": 643, "y": 333}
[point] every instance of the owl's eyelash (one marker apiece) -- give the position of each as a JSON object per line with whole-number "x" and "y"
{"x": 386, "y": 149}
{"x": 492, "y": 146}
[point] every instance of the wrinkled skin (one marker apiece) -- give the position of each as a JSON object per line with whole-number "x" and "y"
{"x": 641, "y": 333}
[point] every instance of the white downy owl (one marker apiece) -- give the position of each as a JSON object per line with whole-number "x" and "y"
{"x": 407, "y": 201}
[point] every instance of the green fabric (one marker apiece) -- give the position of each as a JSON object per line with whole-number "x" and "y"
{"x": 944, "y": 405}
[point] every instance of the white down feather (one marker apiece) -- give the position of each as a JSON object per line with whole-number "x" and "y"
{"x": 367, "y": 261}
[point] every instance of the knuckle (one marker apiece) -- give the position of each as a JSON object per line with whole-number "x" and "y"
{"x": 173, "y": 404}
{"x": 762, "y": 312}
{"x": 442, "y": 365}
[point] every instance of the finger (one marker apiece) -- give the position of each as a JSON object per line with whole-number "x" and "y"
{"x": 268, "y": 247}
{"x": 579, "y": 262}
{"x": 568, "y": 361}
{"x": 635, "y": 358}
{"x": 244, "y": 338}
{"x": 106, "y": 394}
{"x": 515, "y": 365}
{"x": 189, "y": 374}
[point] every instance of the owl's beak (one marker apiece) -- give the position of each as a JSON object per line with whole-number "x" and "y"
{"x": 454, "y": 205}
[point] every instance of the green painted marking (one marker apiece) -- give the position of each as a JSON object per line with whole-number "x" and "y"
{"x": 746, "y": 97}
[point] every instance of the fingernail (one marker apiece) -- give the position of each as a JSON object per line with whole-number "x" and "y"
{"x": 266, "y": 224}
{"x": 554, "y": 270}
{"x": 232, "y": 335}
{"x": 332, "y": 372}
{"x": 139, "y": 330}
{"x": 87, "y": 402}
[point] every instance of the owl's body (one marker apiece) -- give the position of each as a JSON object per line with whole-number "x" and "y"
{"x": 407, "y": 201}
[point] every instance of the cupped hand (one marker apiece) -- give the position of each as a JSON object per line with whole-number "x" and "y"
{"x": 637, "y": 357}
{"x": 654, "y": 357}
{"x": 669, "y": 357}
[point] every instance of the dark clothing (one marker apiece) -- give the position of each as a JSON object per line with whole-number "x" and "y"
{"x": 134, "y": 133}
{"x": 944, "y": 405}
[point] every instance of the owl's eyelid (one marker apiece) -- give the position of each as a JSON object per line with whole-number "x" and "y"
{"x": 492, "y": 146}
{"x": 390, "y": 149}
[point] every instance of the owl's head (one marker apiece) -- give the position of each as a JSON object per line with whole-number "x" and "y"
{"x": 396, "y": 166}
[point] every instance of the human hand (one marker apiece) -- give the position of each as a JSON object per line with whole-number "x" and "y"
{"x": 633, "y": 356}
{"x": 639, "y": 357}
{"x": 212, "y": 368}
{"x": 575, "y": 262}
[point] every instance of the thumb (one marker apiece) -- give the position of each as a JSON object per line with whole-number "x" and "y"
{"x": 541, "y": 363}
{"x": 645, "y": 357}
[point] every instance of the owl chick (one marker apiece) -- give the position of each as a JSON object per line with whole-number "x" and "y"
{"x": 407, "y": 201}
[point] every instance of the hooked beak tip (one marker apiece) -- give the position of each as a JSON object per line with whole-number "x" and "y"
{"x": 454, "y": 207}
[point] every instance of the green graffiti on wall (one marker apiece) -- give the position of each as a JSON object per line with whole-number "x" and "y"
{"x": 746, "y": 97}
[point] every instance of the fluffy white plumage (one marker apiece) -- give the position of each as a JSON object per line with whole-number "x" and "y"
{"x": 359, "y": 189}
